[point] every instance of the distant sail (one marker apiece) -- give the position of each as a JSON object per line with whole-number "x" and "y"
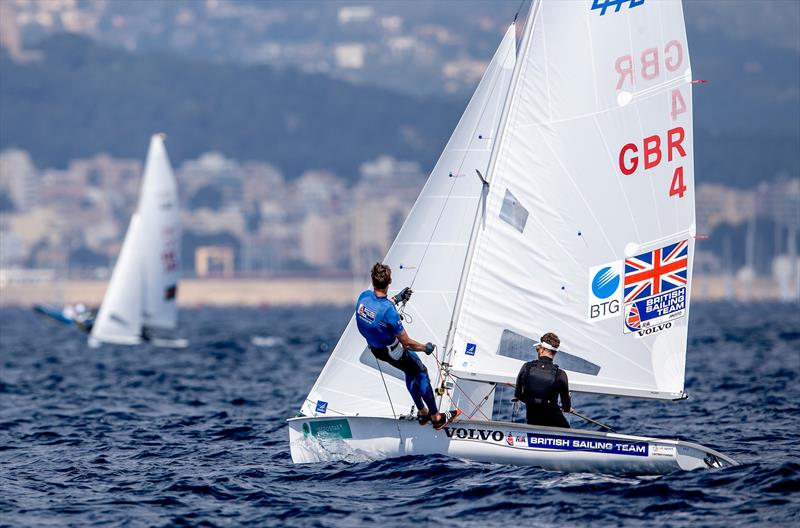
{"x": 159, "y": 214}
{"x": 590, "y": 218}
{"x": 143, "y": 286}
{"x": 119, "y": 320}
{"x": 428, "y": 254}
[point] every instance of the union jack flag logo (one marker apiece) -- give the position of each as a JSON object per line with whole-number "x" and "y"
{"x": 656, "y": 271}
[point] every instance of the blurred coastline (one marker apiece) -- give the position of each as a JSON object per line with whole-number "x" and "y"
{"x": 285, "y": 291}
{"x": 335, "y": 291}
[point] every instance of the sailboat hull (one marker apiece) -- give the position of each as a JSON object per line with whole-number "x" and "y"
{"x": 359, "y": 438}
{"x": 62, "y": 316}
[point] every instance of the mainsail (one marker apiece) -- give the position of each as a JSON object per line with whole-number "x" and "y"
{"x": 589, "y": 223}
{"x": 585, "y": 226}
{"x": 141, "y": 293}
{"x": 161, "y": 233}
{"x": 428, "y": 254}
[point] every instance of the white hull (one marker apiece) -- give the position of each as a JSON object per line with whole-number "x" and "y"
{"x": 358, "y": 438}
{"x": 95, "y": 342}
{"x": 169, "y": 343}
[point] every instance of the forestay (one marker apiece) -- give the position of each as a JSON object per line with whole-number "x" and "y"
{"x": 428, "y": 254}
{"x": 589, "y": 223}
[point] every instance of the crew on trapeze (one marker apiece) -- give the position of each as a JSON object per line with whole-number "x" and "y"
{"x": 380, "y": 324}
{"x": 540, "y": 383}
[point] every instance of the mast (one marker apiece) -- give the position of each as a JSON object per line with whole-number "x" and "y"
{"x": 512, "y": 91}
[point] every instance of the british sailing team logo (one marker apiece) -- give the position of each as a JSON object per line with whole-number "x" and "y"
{"x": 655, "y": 288}
{"x": 366, "y": 314}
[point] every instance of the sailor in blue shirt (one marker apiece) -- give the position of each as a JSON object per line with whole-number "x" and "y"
{"x": 380, "y": 324}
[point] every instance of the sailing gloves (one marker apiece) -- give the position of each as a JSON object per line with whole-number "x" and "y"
{"x": 429, "y": 348}
{"x": 404, "y": 296}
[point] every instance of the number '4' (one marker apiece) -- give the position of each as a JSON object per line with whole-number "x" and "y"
{"x": 678, "y": 187}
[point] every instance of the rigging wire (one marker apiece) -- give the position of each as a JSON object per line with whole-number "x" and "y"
{"x": 389, "y": 397}
{"x": 519, "y": 8}
{"x": 478, "y": 408}
{"x": 484, "y": 400}
{"x": 386, "y": 388}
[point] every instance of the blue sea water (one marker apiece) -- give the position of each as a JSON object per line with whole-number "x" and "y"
{"x": 197, "y": 437}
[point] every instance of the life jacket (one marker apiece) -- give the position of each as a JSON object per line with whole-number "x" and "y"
{"x": 539, "y": 383}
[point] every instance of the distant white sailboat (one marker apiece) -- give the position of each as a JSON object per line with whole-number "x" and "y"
{"x": 563, "y": 202}
{"x": 143, "y": 287}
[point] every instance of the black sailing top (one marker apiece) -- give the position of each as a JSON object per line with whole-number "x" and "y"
{"x": 541, "y": 382}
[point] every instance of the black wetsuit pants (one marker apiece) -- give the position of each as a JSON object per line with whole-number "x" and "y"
{"x": 417, "y": 382}
{"x": 545, "y": 414}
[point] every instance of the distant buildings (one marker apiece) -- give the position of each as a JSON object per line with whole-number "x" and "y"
{"x": 18, "y": 182}
{"x": 244, "y": 219}
{"x": 386, "y": 43}
{"x": 211, "y": 261}
{"x": 238, "y": 218}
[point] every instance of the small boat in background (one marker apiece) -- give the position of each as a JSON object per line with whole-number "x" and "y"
{"x": 74, "y": 315}
{"x": 141, "y": 296}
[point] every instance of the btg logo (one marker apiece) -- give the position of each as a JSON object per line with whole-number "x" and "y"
{"x": 605, "y": 284}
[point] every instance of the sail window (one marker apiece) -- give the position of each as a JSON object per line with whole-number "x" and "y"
{"x": 366, "y": 358}
{"x": 513, "y": 212}
{"x": 518, "y": 346}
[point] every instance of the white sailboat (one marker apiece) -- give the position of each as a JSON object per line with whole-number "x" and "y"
{"x": 563, "y": 202}
{"x": 141, "y": 293}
